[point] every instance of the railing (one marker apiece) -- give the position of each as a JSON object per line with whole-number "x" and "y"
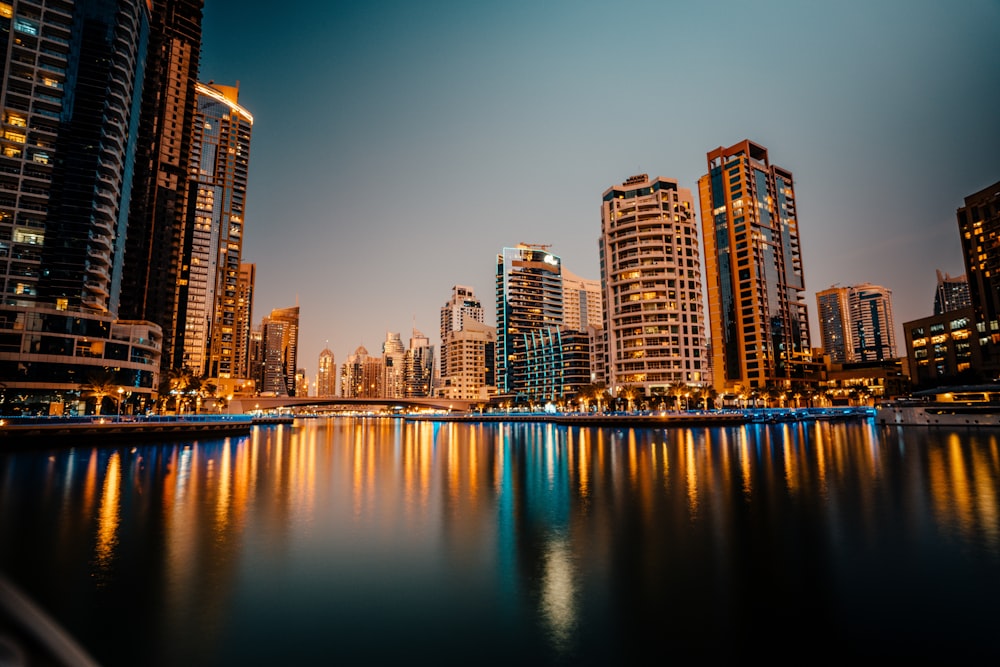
{"x": 112, "y": 418}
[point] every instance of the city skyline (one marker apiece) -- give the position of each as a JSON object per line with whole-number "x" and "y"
{"x": 398, "y": 149}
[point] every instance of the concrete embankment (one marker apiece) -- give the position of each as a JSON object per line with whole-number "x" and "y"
{"x": 61, "y": 431}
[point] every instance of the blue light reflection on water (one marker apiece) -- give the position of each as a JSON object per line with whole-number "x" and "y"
{"x": 364, "y": 540}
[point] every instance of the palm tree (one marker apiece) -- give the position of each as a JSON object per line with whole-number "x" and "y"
{"x": 100, "y": 384}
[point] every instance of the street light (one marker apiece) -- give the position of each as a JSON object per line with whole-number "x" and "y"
{"x": 121, "y": 391}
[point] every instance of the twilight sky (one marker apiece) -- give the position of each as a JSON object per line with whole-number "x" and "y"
{"x": 399, "y": 146}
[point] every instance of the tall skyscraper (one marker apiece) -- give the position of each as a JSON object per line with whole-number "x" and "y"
{"x": 362, "y": 375}
{"x": 753, "y": 260}
{"x": 158, "y": 233}
{"x": 394, "y": 371}
{"x": 461, "y": 308}
{"x": 210, "y": 265}
{"x": 419, "y": 366}
{"x": 951, "y": 293}
{"x": 71, "y": 92}
{"x": 280, "y": 337}
{"x": 856, "y": 323}
{"x": 529, "y": 296}
{"x": 326, "y": 377}
{"x": 651, "y": 281}
{"x": 581, "y": 302}
{"x": 244, "y": 320}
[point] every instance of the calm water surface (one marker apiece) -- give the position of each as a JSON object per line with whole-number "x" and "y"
{"x": 376, "y": 541}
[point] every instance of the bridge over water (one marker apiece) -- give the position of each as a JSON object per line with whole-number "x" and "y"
{"x": 250, "y": 403}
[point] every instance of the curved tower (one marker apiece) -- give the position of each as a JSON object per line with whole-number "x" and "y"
{"x": 651, "y": 284}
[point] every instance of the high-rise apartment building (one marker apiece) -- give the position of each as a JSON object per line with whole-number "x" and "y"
{"x": 244, "y": 320}
{"x": 651, "y": 282}
{"x": 211, "y": 262}
{"x": 753, "y": 260}
{"x": 326, "y": 377}
{"x": 158, "y": 233}
{"x": 362, "y": 375}
{"x": 418, "y": 367}
{"x": 71, "y": 90}
{"x": 951, "y": 293}
{"x": 529, "y": 297}
{"x": 393, "y": 372}
{"x": 856, "y": 323}
{"x": 462, "y": 307}
{"x": 469, "y": 373}
{"x": 280, "y": 339}
{"x": 581, "y": 302}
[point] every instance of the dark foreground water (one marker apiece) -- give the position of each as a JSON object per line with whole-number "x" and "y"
{"x": 379, "y": 541}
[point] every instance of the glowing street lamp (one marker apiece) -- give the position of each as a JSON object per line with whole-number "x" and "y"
{"x": 121, "y": 392}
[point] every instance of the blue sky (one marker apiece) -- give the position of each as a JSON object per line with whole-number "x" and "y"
{"x": 398, "y": 147}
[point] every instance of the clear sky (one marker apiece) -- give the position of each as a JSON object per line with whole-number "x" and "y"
{"x": 399, "y": 146}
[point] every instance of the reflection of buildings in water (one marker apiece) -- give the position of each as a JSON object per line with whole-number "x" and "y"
{"x": 108, "y": 518}
{"x": 558, "y": 592}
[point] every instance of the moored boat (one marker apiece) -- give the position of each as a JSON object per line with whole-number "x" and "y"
{"x": 977, "y": 405}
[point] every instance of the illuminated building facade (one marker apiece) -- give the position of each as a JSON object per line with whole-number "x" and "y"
{"x": 651, "y": 282}
{"x": 211, "y": 263}
{"x": 951, "y": 293}
{"x": 558, "y": 364}
{"x": 461, "y": 308}
{"x": 529, "y": 297}
{"x": 979, "y": 226}
{"x": 152, "y": 285}
{"x": 758, "y": 316}
{"x": 326, "y": 377}
{"x": 856, "y": 323}
{"x": 469, "y": 373}
{"x": 280, "y": 340}
{"x": 71, "y": 90}
{"x": 393, "y": 371}
{"x": 581, "y": 302}
{"x": 418, "y": 366}
{"x": 244, "y": 320}
{"x": 362, "y": 375}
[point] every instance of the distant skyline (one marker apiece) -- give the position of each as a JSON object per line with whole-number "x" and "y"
{"x": 398, "y": 148}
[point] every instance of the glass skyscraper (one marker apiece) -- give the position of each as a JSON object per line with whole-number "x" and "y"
{"x": 759, "y": 320}
{"x": 529, "y": 297}
{"x": 71, "y": 92}
{"x": 210, "y": 269}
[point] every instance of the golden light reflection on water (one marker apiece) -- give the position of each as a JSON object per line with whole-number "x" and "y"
{"x": 108, "y": 516}
{"x": 544, "y": 504}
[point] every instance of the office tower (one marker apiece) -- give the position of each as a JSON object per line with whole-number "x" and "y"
{"x": 651, "y": 282}
{"x": 393, "y": 372}
{"x": 753, "y": 260}
{"x": 469, "y": 374}
{"x": 951, "y": 293}
{"x": 152, "y": 288}
{"x": 418, "y": 366}
{"x": 856, "y": 323}
{"x": 211, "y": 262}
{"x": 326, "y": 377}
{"x": 461, "y": 308}
{"x": 581, "y": 302}
{"x": 529, "y": 296}
{"x": 362, "y": 375}
{"x": 280, "y": 337}
{"x": 71, "y": 94}
{"x": 244, "y": 320}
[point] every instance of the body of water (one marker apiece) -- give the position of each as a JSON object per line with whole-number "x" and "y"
{"x": 377, "y": 541}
